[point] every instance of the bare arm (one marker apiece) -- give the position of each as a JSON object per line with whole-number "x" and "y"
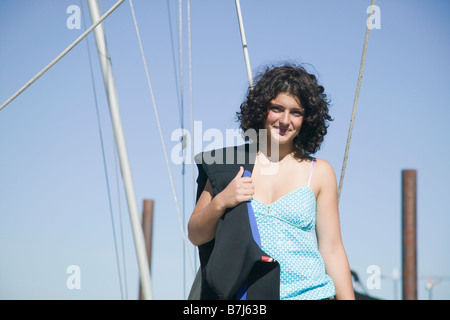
{"x": 208, "y": 210}
{"x": 329, "y": 233}
{"x": 205, "y": 217}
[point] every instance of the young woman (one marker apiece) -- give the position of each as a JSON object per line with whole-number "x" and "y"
{"x": 292, "y": 195}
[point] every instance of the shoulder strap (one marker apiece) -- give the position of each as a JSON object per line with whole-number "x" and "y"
{"x": 311, "y": 169}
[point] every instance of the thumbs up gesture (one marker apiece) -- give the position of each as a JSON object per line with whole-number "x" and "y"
{"x": 240, "y": 189}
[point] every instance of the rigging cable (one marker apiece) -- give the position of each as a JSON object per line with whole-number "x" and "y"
{"x": 173, "y": 60}
{"x": 62, "y": 54}
{"x": 191, "y": 105}
{"x": 183, "y": 138}
{"x": 180, "y": 48}
{"x": 180, "y": 96}
{"x": 119, "y": 206}
{"x": 355, "y": 103}
{"x": 160, "y": 132}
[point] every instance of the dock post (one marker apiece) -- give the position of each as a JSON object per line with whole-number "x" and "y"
{"x": 409, "y": 234}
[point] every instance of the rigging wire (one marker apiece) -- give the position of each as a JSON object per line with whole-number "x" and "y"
{"x": 160, "y": 132}
{"x": 180, "y": 48}
{"x": 173, "y": 61}
{"x": 100, "y": 131}
{"x": 355, "y": 103}
{"x": 180, "y": 96}
{"x": 62, "y": 54}
{"x": 191, "y": 107}
{"x": 119, "y": 205}
{"x": 183, "y": 141}
{"x": 183, "y": 138}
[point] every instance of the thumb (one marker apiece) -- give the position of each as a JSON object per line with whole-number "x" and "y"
{"x": 240, "y": 172}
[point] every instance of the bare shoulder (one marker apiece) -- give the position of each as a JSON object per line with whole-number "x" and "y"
{"x": 323, "y": 167}
{"x": 324, "y": 174}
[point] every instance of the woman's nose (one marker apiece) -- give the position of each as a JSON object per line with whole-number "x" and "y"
{"x": 284, "y": 118}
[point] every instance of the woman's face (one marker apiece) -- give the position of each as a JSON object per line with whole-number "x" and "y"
{"x": 284, "y": 118}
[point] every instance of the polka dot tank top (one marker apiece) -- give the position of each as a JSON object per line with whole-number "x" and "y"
{"x": 287, "y": 231}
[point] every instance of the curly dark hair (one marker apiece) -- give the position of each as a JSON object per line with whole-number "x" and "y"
{"x": 296, "y": 81}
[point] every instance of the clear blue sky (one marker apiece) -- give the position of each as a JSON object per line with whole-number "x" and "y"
{"x": 54, "y": 209}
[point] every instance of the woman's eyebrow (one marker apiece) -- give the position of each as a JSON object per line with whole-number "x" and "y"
{"x": 274, "y": 104}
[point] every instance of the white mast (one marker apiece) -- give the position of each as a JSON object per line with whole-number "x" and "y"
{"x": 113, "y": 102}
{"x": 244, "y": 44}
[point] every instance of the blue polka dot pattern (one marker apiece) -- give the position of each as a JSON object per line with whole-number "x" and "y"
{"x": 286, "y": 228}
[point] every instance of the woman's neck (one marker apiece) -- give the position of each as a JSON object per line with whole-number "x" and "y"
{"x": 276, "y": 152}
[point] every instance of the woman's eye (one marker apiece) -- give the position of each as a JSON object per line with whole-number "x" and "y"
{"x": 275, "y": 108}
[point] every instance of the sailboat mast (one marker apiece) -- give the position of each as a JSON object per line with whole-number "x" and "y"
{"x": 244, "y": 44}
{"x": 113, "y": 102}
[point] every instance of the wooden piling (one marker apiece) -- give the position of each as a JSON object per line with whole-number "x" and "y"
{"x": 147, "y": 227}
{"x": 409, "y": 234}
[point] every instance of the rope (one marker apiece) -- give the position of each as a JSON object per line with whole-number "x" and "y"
{"x": 160, "y": 131}
{"x": 355, "y": 103}
{"x": 244, "y": 44}
{"x": 62, "y": 54}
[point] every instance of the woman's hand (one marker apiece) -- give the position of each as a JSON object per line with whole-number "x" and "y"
{"x": 208, "y": 210}
{"x": 240, "y": 189}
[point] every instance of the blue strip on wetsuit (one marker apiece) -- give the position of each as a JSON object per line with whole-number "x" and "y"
{"x": 242, "y": 293}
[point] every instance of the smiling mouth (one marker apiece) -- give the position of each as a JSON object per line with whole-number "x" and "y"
{"x": 282, "y": 130}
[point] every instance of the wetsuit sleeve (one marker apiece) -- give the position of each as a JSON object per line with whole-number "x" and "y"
{"x": 202, "y": 176}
